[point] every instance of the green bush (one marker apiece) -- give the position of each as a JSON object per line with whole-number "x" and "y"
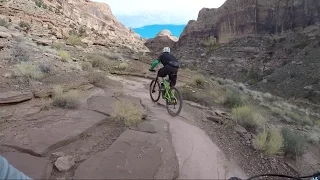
{"x": 277, "y": 111}
{"x": 39, "y": 3}
{"x": 98, "y": 61}
{"x": 294, "y": 143}
{"x": 233, "y": 99}
{"x": 248, "y": 118}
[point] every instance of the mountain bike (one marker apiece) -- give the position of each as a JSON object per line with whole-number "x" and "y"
{"x": 171, "y": 95}
{"x": 315, "y": 176}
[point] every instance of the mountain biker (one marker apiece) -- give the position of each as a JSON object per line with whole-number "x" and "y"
{"x": 7, "y": 171}
{"x": 170, "y": 66}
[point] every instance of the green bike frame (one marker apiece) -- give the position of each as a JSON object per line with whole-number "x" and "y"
{"x": 168, "y": 96}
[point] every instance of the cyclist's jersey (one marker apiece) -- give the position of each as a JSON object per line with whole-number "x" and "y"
{"x": 167, "y": 58}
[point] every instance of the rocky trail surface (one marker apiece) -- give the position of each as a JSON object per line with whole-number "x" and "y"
{"x": 86, "y": 144}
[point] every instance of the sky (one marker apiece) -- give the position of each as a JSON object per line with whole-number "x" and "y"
{"x": 138, "y": 13}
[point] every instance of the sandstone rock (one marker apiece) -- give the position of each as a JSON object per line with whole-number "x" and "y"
{"x": 145, "y": 127}
{"x": 4, "y": 29}
{"x": 65, "y": 163}
{"x": 5, "y": 35}
{"x": 104, "y": 104}
{"x": 14, "y": 97}
{"x": 162, "y": 39}
{"x": 59, "y": 128}
{"x": 216, "y": 21}
{"x": 34, "y": 167}
{"x": 240, "y": 129}
{"x": 134, "y": 155}
{"x": 44, "y": 42}
{"x": 215, "y": 119}
{"x": 26, "y": 112}
{"x": 56, "y": 155}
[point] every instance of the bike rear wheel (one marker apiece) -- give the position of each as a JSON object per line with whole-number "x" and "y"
{"x": 178, "y": 101}
{"x": 155, "y": 91}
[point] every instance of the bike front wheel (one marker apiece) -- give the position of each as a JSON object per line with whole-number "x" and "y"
{"x": 155, "y": 90}
{"x": 174, "y": 106}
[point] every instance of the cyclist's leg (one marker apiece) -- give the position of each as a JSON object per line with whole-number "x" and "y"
{"x": 173, "y": 76}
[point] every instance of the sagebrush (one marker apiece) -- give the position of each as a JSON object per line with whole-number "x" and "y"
{"x": 233, "y": 99}
{"x": 294, "y": 143}
{"x": 248, "y": 117}
{"x": 28, "y": 70}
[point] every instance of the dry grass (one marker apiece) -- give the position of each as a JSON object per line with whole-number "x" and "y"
{"x": 123, "y": 66}
{"x": 65, "y": 56}
{"x": 248, "y": 117}
{"x": 74, "y": 40}
{"x": 126, "y": 112}
{"x": 98, "y": 79}
{"x": 98, "y": 61}
{"x": 69, "y": 100}
{"x": 86, "y": 66}
{"x": 28, "y": 70}
{"x": 271, "y": 142}
{"x": 197, "y": 97}
{"x": 199, "y": 80}
{"x": 277, "y": 111}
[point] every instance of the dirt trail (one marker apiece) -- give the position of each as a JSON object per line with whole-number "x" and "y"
{"x": 199, "y": 157}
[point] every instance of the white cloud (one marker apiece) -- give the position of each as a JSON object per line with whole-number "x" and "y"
{"x": 137, "y": 13}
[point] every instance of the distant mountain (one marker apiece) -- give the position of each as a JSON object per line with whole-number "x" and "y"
{"x": 151, "y": 31}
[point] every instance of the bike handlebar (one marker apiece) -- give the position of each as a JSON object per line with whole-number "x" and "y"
{"x": 315, "y": 176}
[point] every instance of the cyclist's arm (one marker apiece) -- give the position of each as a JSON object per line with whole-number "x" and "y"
{"x": 154, "y": 64}
{"x": 7, "y": 171}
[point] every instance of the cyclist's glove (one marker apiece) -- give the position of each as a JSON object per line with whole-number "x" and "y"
{"x": 152, "y": 70}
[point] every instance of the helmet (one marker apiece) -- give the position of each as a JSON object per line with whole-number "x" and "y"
{"x": 166, "y": 49}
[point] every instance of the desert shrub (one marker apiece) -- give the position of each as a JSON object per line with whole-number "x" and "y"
{"x": 97, "y": 78}
{"x": 4, "y": 23}
{"x": 277, "y": 111}
{"x": 98, "y": 61}
{"x": 28, "y": 70}
{"x": 39, "y": 3}
{"x": 20, "y": 52}
{"x": 301, "y": 45}
{"x": 115, "y": 56}
{"x": 86, "y": 66}
{"x": 275, "y": 142}
{"x": 260, "y": 141}
{"x": 199, "y": 80}
{"x": 123, "y": 66}
{"x": 305, "y": 120}
{"x": 271, "y": 142}
{"x": 233, "y": 99}
{"x": 69, "y": 100}
{"x": 127, "y": 112}
{"x": 25, "y": 25}
{"x": 45, "y": 68}
{"x": 314, "y": 138}
{"x": 248, "y": 118}
{"x": 294, "y": 143}
{"x": 74, "y": 40}
{"x": 317, "y": 123}
{"x": 65, "y": 56}
{"x": 56, "y": 45}
{"x": 82, "y": 31}
{"x": 268, "y": 97}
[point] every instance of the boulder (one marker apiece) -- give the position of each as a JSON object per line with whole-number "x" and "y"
{"x": 34, "y": 167}
{"x": 5, "y": 35}
{"x": 14, "y": 97}
{"x": 134, "y": 155}
{"x": 64, "y": 163}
